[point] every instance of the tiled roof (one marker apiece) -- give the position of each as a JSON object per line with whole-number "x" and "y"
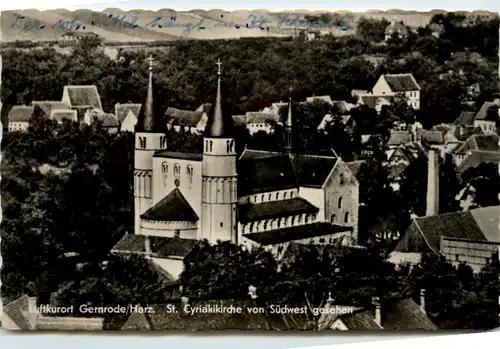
{"x": 205, "y": 107}
{"x": 299, "y": 232}
{"x": 84, "y": 96}
{"x": 130, "y": 243}
{"x": 268, "y": 171}
{"x": 482, "y": 114}
{"x": 399, "y": 137}
{"x": 121, "y": 110}
{"x": 401, "y": 82}
{"x": 478, "y": 157}
{"x": 179, "y": 155}
{"x": 326, "y": 99}
{"x": 488, "y": 220}
{"x": 49, "y": 106}
{"x": 108, "y": 120}
{"x": 274, "y": 209}
{"x": 20, "y": 113}
{"x": 17, "y": 311}
{"x": 62, "y": 114}
{"x": 167, "y": 247}
{"x": 173, "y": 207}
{"x": 355, "y": 166}
{"x": 405, "y": 314}
{"x": 460, "y": 225}
{"x": 255, "y": 117}
{"x": 484, "y": 142}
{"x": 372, "y": 101}
{"x": 361, "y": 320}
{"x": 432, "y": 136}
{"x": 180, "y": 117}
{"x": 239, "y": 120}
{"x": 466, "y": 118}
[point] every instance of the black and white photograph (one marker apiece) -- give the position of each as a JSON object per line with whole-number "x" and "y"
{"x": 285, "y": 171}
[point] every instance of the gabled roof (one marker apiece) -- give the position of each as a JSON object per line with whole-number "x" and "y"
{"x": 488, "y": 220}
{"x": 168, "y": 247}
{"x": 326, "y": 99}
{"x": 405, "y": 314}
{"x": 185, "y": 118}
{"x": 298, "y": 232}
{"x": 460, "y": 225}
{"x": 83, "y": 96}
{"x": 108, "y": 120}
{"x": 20, "y": 113}
{"x": 401, "y": 82}
{"x": 17, "y": 311}
{"x": 121, "y": 110}
{"x": 399, "y": 137}
{"x": 256, "y": 117}
{"x": 355, "y": 166}
{"x": 360, "y": 320}
{"x": 478, "y": 157}
{"x": 432, "y": 136}
{"x": 49, "y": 106}
{"x": 262, "y": 171}
{"x": 466, "y": 118}
{"x": 275, "y": 209}
{"x": 130, "y": 243}
{"x": 173, "y": 207}
{"x": 482, "y": 114}
{"x": 239, "y": 120}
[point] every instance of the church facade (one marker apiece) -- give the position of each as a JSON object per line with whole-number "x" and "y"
{"x": 258, "y": 198}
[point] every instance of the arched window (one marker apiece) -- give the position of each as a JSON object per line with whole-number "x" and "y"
{"x": 163, "y": 142}
{"x": 221, "y": 224}
{"x": 307, "y": 218}
{"x": 231, "y": 145}
{"x": 190, "y": 170}
{"x": 293, "y": 220}
{"x": 211, "y": 143}
{"x": 262, "y": 198}
{"x": 227, "y": 146}
{"x": 265, "y": 225}
{"x": 269, "y": 197}
{"x": 279, "y": 222}
{"x": 346, "y": 217}
{"x": 164, "y": 167}
{"x": 291, "y": 194}
{"x": 340, "y": 202}
{"x": 284, "y": 195}
{"x": 251, "y": 227}
{"x": 142, "y": 141}
{"x": 206, "y": 146}
{"x": 299, "y": 220}
{"x": 177, "y": 170}
{"x": 277, "y": 196}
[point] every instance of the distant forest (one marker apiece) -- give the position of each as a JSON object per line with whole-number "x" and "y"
{"x": 259, "y": 71}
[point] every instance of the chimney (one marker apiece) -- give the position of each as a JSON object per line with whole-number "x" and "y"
{"x": 432, "y": 207}
{"x": 378, "y": 311}
{"x": 32, "y": 312}
{"x": 422, "y": 299}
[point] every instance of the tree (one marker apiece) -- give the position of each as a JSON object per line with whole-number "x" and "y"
{"x": 485, "y": 180}
{"x": 372, "y": 29}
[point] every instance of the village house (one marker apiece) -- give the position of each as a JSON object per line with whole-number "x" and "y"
{"x": 24, "y": 314}
{"x": 399, "y": 85}
{"x": 187, "y": 120}
{"x": 48, "y": 107}
{"x": 59, "y": 115}
{"x": 484, "y": 119}
{"x": 399, "y": 29}
{"x": 82, "y": 98}
{"x": 127, "y": 114}
{"x": 19, "y": 117}
{"x": 475, "y": 150}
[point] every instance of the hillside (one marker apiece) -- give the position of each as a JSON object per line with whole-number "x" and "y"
{"x": 166, "y": 24}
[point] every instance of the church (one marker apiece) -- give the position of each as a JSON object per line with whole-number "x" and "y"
{"x": 259, "y": 198}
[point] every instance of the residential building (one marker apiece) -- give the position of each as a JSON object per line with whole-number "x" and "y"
{"x": 19, "y": 117}
{"x": 396, "y": 28}
{"x": 187, "y": 120}
{"x": 259, "y": 121}
{"x": 127, "y": 114}
{"x": 74, "y": 37}
{"x": 399, "y": 85}
{"x": 82, "y": 98}
{"x": 475, "y": 150}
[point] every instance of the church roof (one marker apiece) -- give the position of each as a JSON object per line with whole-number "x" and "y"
{"x": 84, "y": 96}
{"x": 466, "y": 118}
{"x": 262, "y": 171}
{"x": 130, "y": 243}
{"x": 147, "y": 121}
{"x": 167, "y": 247}
{"x": 274, "y": 209}
{"x": 179, "y": 155}
{"x": 173, "y": 207}
{"x": 121, "y": 110}
{"x": 298, "y": 232}
{"x": 220, "y": 123}
{"x": 482, "y": 114}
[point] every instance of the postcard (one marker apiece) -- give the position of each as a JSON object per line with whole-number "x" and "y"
{"x": 250, "y": 170}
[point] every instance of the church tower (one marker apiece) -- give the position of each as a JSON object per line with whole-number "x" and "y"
{"x": 149, "y": 137}
{"x": 219, "y": 176}
{"x": 288, "y": 130}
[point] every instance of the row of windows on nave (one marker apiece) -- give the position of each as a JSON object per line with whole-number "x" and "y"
{"x": 229, "y": 146}
{"x": 177, "y": 169}
{"x": 280, "y": 222}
